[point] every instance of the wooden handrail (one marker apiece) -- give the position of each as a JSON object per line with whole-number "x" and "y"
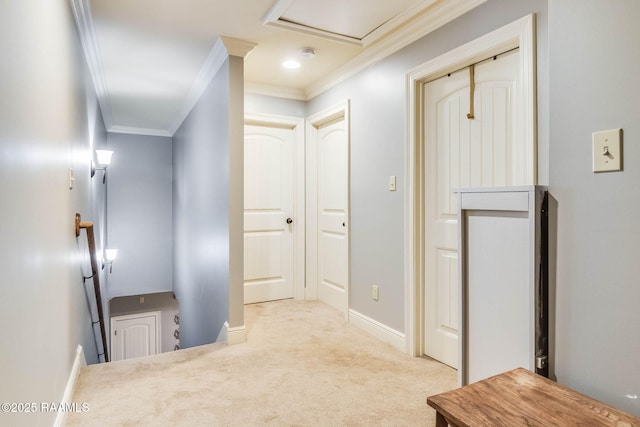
{"x": 88, "y": 225}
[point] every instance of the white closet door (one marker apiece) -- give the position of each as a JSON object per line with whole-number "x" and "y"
{"x": 333, "y": 201}
{"x": 462, "y": 152}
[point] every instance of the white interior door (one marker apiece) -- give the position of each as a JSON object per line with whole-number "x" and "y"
{"x": 463, "y": 153}
{"x": 333, "y": 202}
{"x": 268, "y": 213}
{"x": 135, "y": 335}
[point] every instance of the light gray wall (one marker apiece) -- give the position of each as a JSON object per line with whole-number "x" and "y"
{"x": 378, "y": 140}
{"x": 201, "y": 215}
{"x": 139, "y": 214}
{"x": 272, "y": 105}
{"x": 49, "y": 122}
{"x": 165, "y": 302}
{"x": 594, "y": 65}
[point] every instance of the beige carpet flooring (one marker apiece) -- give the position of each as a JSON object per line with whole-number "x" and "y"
{"x": 302, "y": 365}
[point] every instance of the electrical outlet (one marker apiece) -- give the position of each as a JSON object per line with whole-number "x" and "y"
{"x": 376, "y": 292}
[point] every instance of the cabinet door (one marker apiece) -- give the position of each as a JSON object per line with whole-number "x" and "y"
{"x": 135, "y": 335}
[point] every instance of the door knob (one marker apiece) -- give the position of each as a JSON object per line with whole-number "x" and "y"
{"x": 289, "y": 220}
{"x": 344, "y": 224}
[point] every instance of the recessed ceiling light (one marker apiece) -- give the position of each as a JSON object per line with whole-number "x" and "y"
{"x": 291, "y": 64}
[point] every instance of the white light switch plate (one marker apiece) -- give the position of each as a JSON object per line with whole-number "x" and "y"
{"x": 607, "y": 150}
{"x": 392, "y": 183}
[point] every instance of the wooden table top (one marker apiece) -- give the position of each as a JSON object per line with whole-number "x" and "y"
{"x": 522, "y": 398}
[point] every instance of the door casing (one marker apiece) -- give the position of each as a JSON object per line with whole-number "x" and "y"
{"x": 518, "y": 34}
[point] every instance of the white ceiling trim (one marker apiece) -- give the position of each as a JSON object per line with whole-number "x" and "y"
{"x": 89, "y": 41}
{"x": 223, "y": 48}
{"x": 216, "y": 58}
{"x": 425, "y": 21}
{"x": 396, "y": 21}
{"x": 276, "y": 91}
{"x": 139, "y": 131}
{"x": 420, "y": 27}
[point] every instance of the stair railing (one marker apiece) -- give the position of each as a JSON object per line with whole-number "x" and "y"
{"x": 88, "y": 226}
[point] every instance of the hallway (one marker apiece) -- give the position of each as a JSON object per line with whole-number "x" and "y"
{"x": 301, "y": 365}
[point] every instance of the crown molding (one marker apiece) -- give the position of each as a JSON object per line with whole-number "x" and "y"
{"x": 275, "y": 91}
{"x": 429, "y": 21}
{"x": 216, "y": 58}
{"x": 89, "y": 41}
{"x": 139, "y": 131}
{"x": 222, "y": 49}
{"x": 429, "y": 17}
{"x": 397, "y": 21}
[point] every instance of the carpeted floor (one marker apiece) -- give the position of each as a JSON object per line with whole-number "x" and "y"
{"x": 302, "y": 365}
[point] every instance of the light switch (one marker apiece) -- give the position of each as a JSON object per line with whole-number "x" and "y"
{"x": 607, "y": 150}
{"x": 392, "y": 183}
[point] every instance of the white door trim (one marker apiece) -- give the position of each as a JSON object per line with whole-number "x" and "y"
{"x": 299, "y": 229}
{"x": 313, "y": 122}
{"x": 518, "y": 34}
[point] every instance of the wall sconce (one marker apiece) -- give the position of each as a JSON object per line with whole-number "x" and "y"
{"x": 104, "y": 160}
{"x": 109, "y": 256}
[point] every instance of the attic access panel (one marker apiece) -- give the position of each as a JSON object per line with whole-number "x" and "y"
{"x": 357, "y": 22}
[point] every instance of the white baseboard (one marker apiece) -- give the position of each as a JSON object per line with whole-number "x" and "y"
{"x": 236, "y": 335}
{"x": 79, "y": 362}
{"x": 378, "y": 330}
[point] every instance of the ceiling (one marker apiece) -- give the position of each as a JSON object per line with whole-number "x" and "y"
{"x": 148, "y": 57}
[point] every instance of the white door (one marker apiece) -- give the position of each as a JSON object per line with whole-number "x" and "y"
{"x": 333, "y": 203}
{"x": 462, "y": 153}
{"x": 268, "y": 213}
{"x": 135, "y": 335}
